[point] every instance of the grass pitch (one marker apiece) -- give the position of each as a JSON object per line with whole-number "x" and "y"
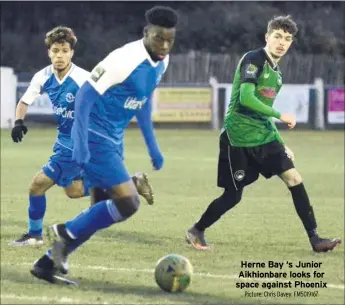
{"x": 116, "y": 266}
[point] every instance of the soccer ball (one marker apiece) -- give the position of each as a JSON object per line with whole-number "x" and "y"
{"x": 173, "y": 273}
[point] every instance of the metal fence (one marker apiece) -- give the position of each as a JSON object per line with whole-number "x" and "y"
{"x": 197, "y": 67}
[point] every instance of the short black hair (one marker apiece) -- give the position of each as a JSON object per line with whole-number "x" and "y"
{"x": 163, "y": 16}
{"x": 282, "y": 22}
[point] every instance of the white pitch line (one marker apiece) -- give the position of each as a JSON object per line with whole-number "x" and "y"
{"x": 207, "y": 275}
{"x": 62, "y": 300}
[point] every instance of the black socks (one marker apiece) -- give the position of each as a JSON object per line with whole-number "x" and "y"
{"x": 217, "y": 208}
{"x": 304, "y": 209}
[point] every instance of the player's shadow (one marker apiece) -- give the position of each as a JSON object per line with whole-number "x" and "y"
{"x": 137, "y": 237}
{"x": 121, "y": 236}
{"x": 154, "y": 292}
{"x": 10, "y": 273}
{"x": 151, "y": 292}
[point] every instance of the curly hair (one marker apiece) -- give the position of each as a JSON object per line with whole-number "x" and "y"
{"x": 163, "y": 16}
{"x": 60, "y": 34}
{"x": 282, "y": 22}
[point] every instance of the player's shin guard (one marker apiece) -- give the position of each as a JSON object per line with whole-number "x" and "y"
{"x": 37, "y": 209}
{"x": 303, "y": 208}
{"x": 98, "y": 195}
{"x": 218, "y": 208}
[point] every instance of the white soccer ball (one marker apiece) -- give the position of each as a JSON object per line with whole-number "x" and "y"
{"x": 173, "y": 273}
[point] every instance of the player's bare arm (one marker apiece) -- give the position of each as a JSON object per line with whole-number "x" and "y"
{"x": 21, "y": 110}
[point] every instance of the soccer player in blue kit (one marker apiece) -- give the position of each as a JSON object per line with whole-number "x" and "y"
{"x": 120, "y": 87}
{"x": 58, "y": 82}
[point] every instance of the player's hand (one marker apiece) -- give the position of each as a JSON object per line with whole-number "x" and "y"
{"x": 81, "y": 154}
{"x": 157, "y": 161}
{"x": 289, "y": 119}
{"x": 290, "y": 153}
{"x": 18, "y": 131}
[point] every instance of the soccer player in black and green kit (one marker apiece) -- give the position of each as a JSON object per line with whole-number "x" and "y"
{"x": 250, "y": 143}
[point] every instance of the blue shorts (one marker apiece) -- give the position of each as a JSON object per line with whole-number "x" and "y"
{"x": 105, "y": 168}
{"x": 61, "y": 168}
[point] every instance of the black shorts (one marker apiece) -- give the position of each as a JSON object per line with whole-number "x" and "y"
{"x": 241, "y": 166}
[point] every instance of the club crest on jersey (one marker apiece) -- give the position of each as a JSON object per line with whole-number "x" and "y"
{"x": 279, "y": 81}
{"x": 239, "y": 175}
{"x": 70, "y": 97}
{"x": 133, "y": 103}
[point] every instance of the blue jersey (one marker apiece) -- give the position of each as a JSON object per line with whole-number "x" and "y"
{"x": 125, "y": 81}
{"x": 119, "y": 88}
{"x": 61, "y": 93}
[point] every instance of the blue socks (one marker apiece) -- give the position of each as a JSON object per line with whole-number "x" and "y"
{"x": 37, "y": 209}
{"x": 98, "y": 217}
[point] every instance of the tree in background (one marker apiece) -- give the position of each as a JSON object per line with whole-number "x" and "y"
{"x": 216, "y": 27}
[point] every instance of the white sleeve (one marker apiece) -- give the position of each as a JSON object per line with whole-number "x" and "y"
{"x": 166, "y": 63}
{"x": 113, "y": 70}
{"x": 79, "y": 75}
{"x": 33, "y": 90}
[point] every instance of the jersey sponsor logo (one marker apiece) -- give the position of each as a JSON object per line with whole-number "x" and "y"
{"x": 268, "y": 92}
{"x": 70, "y": 97}
{"x": 266, "y": 75}
{"x": 97, "y": 73}
{"x": 64, "y": 112}
{"x": 251, "y": 70}
{"x": 239, "y": 175}
{"x": 133, "y": 103}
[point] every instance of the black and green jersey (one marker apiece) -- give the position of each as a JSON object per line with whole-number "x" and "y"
{"x": 248, "y": 120}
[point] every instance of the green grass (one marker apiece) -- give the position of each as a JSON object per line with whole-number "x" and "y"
{"x": 115, "y": 267}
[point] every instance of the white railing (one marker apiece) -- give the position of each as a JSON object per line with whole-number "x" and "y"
{"x": 292, "y": 98}
{"x": 8, "y": 97}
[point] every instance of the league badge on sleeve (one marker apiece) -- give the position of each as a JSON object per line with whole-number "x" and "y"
{"x": 97, "y": 73}
{"x": 251, "y": 71}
